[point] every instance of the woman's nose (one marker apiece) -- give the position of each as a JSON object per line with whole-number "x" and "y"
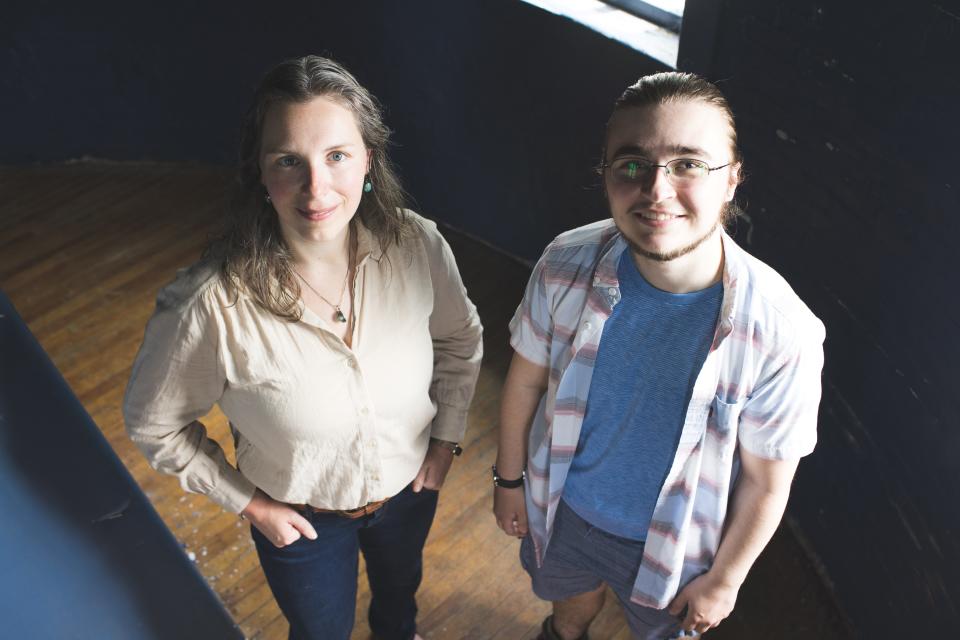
{"x": 316, "y": 180}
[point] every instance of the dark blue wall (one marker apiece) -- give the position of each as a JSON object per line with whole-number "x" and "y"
{"x": 847, "y": 119}
{"x": 498, "y": 106}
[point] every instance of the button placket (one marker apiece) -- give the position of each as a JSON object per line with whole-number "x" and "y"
{"x": 372, "y": 475}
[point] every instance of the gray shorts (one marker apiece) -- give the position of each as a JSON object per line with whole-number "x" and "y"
{"x": 581, "y": 557}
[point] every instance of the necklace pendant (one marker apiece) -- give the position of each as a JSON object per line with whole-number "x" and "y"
{"x": 339, "y": 315}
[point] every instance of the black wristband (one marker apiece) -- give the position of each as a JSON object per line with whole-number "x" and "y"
{"x": 452, "y": 447}
{"x": 507, "y": 484}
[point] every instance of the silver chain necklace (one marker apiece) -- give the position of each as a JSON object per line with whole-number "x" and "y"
{"x": 336, "y": 307}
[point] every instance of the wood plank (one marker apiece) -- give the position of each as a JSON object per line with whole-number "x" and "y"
{"x": 83, "y": 250}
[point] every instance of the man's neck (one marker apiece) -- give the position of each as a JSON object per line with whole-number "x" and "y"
{"x": 694, "y": 271}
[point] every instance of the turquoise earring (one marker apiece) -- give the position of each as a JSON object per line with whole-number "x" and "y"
{"x": 367, "y": 186}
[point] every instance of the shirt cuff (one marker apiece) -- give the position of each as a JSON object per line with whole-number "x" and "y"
{"x": 233, "y": 491}
{"x": 450, "y": 423}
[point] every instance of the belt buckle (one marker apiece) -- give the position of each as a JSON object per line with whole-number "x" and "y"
{"x": 355, "y": 513}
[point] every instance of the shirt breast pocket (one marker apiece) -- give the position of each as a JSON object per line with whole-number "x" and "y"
{"x": 723, "y": 421}
{"x": 253, "y": 368}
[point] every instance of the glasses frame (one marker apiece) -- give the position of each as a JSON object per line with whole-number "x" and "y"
{"x": 671, "y": 176}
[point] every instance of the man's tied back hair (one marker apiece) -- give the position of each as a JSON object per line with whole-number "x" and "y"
{"x": 676, "y": 86}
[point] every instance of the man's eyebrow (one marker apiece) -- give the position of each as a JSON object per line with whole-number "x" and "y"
{"x": 284, "y": 149}
{"x": 676, "y": 151}
{"x": 682, "y": 150}
{"x": 631, "y": 150}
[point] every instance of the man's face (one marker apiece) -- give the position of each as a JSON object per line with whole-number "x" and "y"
{"x": 664, "y": 217}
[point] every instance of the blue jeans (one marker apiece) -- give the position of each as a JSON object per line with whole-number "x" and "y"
{"x": 315, "y": 581}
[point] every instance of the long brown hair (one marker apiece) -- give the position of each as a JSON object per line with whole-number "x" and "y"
{"x": 251, "y": 251}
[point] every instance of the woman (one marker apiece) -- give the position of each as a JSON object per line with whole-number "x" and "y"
{"x": 332, "y": 328}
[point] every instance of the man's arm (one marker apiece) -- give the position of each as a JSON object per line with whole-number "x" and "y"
{"x": 522, "y": 391}
{"x": 757, "y": 507}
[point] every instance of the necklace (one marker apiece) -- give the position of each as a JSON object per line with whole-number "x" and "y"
{"x": 336, "y": 307}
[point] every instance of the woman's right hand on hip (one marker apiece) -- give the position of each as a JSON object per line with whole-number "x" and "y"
{"x": 280, "y": 523}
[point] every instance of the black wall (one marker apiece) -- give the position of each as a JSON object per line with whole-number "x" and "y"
{"x": 498, "y": 107}
{"x": 847, "y": 116}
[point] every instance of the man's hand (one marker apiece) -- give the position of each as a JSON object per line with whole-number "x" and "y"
{"x": 510, "y": 510}
{"x": 708, "y": 601}
{"x": 434, "y": 469}
{"x": 757, "y": 506}
{"x": 277, "y": 521}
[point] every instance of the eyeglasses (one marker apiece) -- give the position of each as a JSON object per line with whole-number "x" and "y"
{"x": 682, "y": 172}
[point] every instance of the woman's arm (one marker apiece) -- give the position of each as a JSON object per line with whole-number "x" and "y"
{"x": 176, "y": 379}
{"x": 457, "y": 351}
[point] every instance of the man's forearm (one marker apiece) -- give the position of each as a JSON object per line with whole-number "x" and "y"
{"x": 757, "y": 507}
{"x": 516, "y": 414}
{"x": 521, "y": 396}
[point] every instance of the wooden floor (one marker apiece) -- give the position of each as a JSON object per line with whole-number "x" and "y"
{"x": 84, "y": 249}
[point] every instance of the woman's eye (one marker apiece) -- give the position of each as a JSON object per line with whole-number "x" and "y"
{"x": 338, "y": 156}
{"x": 287, "y": 161}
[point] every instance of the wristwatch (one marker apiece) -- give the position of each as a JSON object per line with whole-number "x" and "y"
{"x": 452, "y": 447}
{"x": 507, "y": 484}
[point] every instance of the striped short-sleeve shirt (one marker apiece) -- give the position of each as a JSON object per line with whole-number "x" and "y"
{"x": 759, "y": 389}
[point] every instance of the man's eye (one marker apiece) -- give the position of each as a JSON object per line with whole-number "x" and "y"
{"x": 632, "y": 168}
{"x": 287, "y": 161}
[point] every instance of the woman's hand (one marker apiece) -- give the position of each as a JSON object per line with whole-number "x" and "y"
{"x": 277, "y": 521}
{"x": 434, "y": 469}
{"x": 510, "y": 510}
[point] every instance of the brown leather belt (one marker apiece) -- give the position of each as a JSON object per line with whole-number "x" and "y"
{"x": 359, "y": 512}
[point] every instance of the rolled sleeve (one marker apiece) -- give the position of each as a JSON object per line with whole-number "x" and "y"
{"x": 531, "y": 325}
{"x": 176, "y": 379}
{"x": 779, "y": 420}
{"x": 457, "y": 339}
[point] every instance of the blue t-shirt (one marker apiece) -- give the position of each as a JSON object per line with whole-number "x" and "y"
{"x": 653, "y": 346}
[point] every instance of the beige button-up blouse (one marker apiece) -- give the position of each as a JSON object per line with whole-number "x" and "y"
{"x": 316, "y": 422}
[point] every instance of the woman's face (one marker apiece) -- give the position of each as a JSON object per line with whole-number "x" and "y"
{"x": 312, "y": 164}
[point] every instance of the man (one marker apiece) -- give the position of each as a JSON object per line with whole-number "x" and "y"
{"x": 664, "y": 387}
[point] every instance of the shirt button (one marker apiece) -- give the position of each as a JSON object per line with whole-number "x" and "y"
{"x": 364, "y": 411}
{"x": 612, "y": 291}
{"x": 596, "y": 281}
{"x": 586, "y": 326}
{"x": 352, "y": 363}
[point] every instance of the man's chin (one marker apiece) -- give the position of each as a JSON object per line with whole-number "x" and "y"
{"x": 663, "y": 254}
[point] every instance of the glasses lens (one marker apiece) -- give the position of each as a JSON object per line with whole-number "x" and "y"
{"x": 629, "y": 169}
{"x": 687, "y": 169}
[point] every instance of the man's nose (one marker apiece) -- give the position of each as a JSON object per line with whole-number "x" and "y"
{"x": 657, "y": 184}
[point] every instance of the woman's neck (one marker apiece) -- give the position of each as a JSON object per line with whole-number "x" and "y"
{"x": 309, "y": 254}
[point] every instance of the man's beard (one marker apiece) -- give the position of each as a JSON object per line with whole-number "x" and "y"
{"x": 676, "y": 253}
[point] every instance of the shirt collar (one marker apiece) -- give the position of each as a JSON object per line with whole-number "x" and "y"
{"x": 732, "y": 269}
{"x": 607, "y": 284}
{"x": 367, "y": 244}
